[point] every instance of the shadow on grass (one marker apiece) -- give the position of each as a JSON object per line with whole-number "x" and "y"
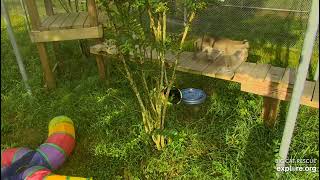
{"x": 222, "y": 125}
{"x": 262, "y": 147}
{"x": 259, "y": 159}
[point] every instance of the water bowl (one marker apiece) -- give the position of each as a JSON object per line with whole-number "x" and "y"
{"x": 193, "y": 96}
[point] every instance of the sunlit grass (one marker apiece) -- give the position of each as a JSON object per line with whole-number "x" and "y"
{"x": 224, "y": 139}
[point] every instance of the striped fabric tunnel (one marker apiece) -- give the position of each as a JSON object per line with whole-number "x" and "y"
{"x": 26, "y": 164}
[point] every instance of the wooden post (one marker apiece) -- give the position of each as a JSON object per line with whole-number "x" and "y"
{"x": 270, "y": 111}
{"x": 101, "y": 67}
{"x": 35, "y": 23}
{"x": 49, "y": 7}
{"x": 49, "y": 11}
{"x": 93, "y": 19}
{"x": 33, "y": 14}
{"x": 50, "y": 80}
{"x": 92, "y": 13}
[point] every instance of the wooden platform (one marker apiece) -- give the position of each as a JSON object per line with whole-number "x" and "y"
{"x": 260, "y": 79}
{"x": 66, "y": 26}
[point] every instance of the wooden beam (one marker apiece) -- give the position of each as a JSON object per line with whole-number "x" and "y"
{"x": 66, "y": 34}
{"x": 277, "y": 92}
{"x": 268, "y": 91}
{"x": 33, "y": 14}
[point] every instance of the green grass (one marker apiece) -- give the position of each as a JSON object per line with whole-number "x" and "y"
{"x": 224, "y": 139}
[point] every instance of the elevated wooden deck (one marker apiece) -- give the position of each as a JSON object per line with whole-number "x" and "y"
{"x": 67, "y": 26}
{"x": 260, "y": 79}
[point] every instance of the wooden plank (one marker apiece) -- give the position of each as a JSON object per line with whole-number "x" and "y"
{"x": 44, "y": 20}
{"x": 80, "y": 20}
{"x": 66, "y": 34}
{"x": 196, "y": 66}
{"x": 214, "y": 67}
{"x": 259, "y": 72}
{"x": 67, "y": 24}
{"x": 308, "y": 90}
{"x": 48, "y": 21}
{"x": 184, "y": 61}
{"x": 58, "y": 22}
{"x": 275, "y": 74}
{"x": 310, "y": 104}
{"x": 232, "y": 64}
{"x": 242, "y": 73}
{"x": 184, "y": 56}
{"x": 288, "y": 78}
{"x": 87, "y": 22}
{"x": 315, "y": 97}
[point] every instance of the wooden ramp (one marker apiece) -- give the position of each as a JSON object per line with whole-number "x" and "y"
{"x": 260, "y": 79}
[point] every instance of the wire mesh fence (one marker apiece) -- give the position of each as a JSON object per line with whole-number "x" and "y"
{"x": 274, "y": 28}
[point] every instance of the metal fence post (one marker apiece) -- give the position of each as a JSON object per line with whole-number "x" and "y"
{"x": 305, "y": 57}
{"x": 14, "y": 44}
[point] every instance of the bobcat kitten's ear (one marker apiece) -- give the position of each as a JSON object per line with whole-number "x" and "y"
{"x": 246, "y": 43}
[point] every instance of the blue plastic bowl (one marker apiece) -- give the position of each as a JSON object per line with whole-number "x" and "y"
{"x": 193, "y": 96}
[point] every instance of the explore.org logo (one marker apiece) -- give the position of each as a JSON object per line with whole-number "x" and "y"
{"x": 307, "y": 162}
{"x": 292, "y": 168}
